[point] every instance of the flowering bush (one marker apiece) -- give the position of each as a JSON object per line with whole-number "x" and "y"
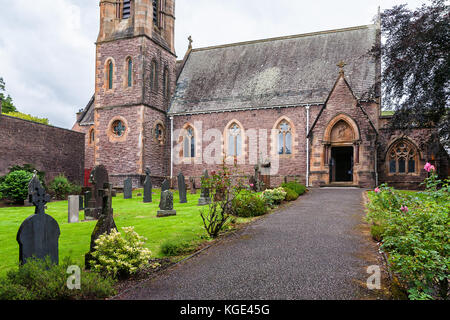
{"x": 274, "y": 196}
{"x": 120, "y": 256}
{"x": 414, "y": 230}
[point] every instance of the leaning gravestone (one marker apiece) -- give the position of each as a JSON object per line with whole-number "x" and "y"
{"x": 98, "y": 177}
{"x": 128, "y": 189}
{"x": 39, "y": 234}
{"x": 182, "y": 188}
{"x": 74, "y": 209}
{"x": 105, "y": 222}
{"x": 165, "y": 186}
{"x": 166, "y": 205}
{"x": 205, "y": 198}
{"x": 147, "y": 187}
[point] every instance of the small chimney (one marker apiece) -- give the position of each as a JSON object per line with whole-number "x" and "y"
{"x": 80, "y": 115}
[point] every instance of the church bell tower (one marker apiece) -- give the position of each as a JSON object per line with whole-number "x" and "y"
{"x": 135, "y": 78}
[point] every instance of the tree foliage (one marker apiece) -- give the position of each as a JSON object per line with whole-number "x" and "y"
{"x": 7, "y": 104}
{"x": 417, "y": 65}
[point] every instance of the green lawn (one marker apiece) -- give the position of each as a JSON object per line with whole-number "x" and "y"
{"x": 186, "y": 226}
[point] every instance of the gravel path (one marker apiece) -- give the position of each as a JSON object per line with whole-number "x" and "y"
{"x": 313, "y": 249}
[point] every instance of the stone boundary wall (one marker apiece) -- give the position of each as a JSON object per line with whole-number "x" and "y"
{"x": 50, "y": 149}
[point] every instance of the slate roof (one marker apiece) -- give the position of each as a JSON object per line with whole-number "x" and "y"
{"x": 87, "y": 118}
{"x": 284, "y": 71}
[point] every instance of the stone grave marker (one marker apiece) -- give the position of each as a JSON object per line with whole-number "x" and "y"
{"x": 205, "y": 197}
{"x": 148, "y": 187}
{"x": 165, "y": 186}
{"x": 105, "y": 222}
{"x": 99, "y": 176}
{"x": 74, "y": 209}
{"x": 128, "y": 189}
{"x": 166, "y": 205}
{"x": 192, "y": 185}
{"x": 38, "y": 235}
{"x": 182, "y": 188}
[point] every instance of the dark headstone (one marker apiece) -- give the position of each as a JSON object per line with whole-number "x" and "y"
{"x": 148, "y": 187}
{"x": 128, "y": 189}
{"x": 99, "y": 176}
{"x": 31, "y": 187}
{"x": 105, "y": 222}
{"x": 182, "y": 188}
{"x": 39, "y": 234}
{"x": 166, "y": 205}
{"x": 81, "y": 200}
{"x": 165, "y": 186}
{"x": 192, "y": 185}
{"x": 205, "y": 198}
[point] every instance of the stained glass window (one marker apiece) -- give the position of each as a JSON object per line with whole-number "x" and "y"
{"x": 130, "y": 72}
{"x": 118, "y": 128}
{"x": 110, "y": 74}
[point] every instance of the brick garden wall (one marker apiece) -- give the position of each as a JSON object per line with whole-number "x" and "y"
{"x": 50, "y": 149}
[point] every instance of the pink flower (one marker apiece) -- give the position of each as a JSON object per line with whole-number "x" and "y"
{"x": 404, "y": 209}
{"x": 377, "y": 190}
{"x": 252, "y": 185}
{"x": 432, "y": 168}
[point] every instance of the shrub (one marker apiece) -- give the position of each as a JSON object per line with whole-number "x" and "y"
{"x": 413, "y": 228}
{"x": 28, "y": 117}
{"x": 273, "y": 196}
{"x": 291, "y": 195}
{"x": 61, "y": 188}
{"x": 175, "y": 248}
{"x": 248, "y": 204}
{"x": 295, "y": 186}
{"x": 15, "y": 186}
{"x": 120, "y": 256}
{"x": 42, "y": 280}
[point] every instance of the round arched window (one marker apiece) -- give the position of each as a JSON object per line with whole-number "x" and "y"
{"x": 118, "y": 128}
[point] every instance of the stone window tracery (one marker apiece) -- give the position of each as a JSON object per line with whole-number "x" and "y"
{"x": 284, "y": 138}
{"x": 189, "y": 143}
{"x": 118, "y": 128}
{"x": 402, "y": 158}
{"x": 234, "y": 140}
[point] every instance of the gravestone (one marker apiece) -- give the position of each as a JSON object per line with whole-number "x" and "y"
{"x": 81, "y": 203}
{"x": 128, "y": 189}
{"x": 74, "y": 209}
{"x": 192, "y": 185}
{"x": 166, "y": 205}
{"x": 148, "y": 187}
{"x": 182, "y": 188}
{"x": 87, "y": 198}
{"x": 31, "y": 187}
{"x": 165, "y": 186}
{"x": 205, "y": 198}
{"x": 39, "y": 234}
{"x": 105, "y": 222}
{"x": 98, "y": 177}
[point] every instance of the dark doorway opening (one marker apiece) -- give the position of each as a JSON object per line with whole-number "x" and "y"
{"x": 341, "y": 165}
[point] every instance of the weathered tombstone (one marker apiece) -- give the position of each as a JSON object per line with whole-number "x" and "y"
{"x": 148, "y": 187}
{"x": 98, "y": 177}
{"x": 74, "y": 209}
{"x": 87, "y": 198}
{"x": 105, "y": 222}
{"x": 128, "y": 189}
{"x": 39, "y": 234}
{"x": 165, "y": 186}
{"x": 205, "y": 198}
{"x": 166, "y": 205}
{"x": 182, "y": 188}
{"x": 31, "y": 187}
{"x": 192, "y": 185}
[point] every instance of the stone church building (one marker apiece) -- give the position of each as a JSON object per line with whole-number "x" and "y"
{"x": 305, "y": 107}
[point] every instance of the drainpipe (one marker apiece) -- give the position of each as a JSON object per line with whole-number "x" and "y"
{"x": 307, "y": 146}
{"x": 171, "y": 148}
{"x": 376, "y": 163}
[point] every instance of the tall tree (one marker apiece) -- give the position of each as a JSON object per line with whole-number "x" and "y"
{"x": 7, "y": 104}
{"x": 416, "y": 60}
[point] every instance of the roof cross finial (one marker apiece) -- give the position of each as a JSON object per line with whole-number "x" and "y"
{"x": 341, "y": 66}
{"x": 190, "y": 42}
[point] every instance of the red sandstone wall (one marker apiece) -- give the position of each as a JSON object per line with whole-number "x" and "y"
{"x": 50, "y": 149}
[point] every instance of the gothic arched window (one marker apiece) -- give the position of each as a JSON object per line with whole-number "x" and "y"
{"x": 154, "y": 76}
{"x": 234, "y": 140}
{"x": 129, "y": 72}
{"x": 166, "y": 86}
{"x": 189, "y": 143}
{"x": 284, "y": 138}
{"x": 402, "y": 158}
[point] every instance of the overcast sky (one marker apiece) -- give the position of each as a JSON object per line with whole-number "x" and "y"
{"x": 47, "y": 51}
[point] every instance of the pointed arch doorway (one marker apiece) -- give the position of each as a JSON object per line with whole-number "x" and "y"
{"x": 341, "y": 142}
